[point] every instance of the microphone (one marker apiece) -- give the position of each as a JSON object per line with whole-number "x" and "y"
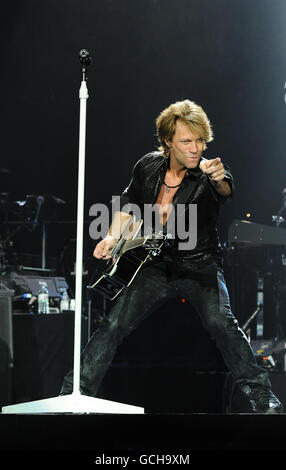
{"x": 40, "y": 202}
{"x": 84, "y": 57}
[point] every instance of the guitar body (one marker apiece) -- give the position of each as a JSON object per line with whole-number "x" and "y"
{"x": 120, "y": 274}
{"x": 127, "y": 258}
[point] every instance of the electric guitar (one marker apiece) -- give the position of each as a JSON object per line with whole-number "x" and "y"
{"x": 128, "y": 256}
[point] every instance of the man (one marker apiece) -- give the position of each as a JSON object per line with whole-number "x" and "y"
{"x": 178, "y": 174}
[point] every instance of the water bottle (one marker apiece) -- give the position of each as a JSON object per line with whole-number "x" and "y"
{"x": 65, "y": 301}
{"x": 43, "y": 300}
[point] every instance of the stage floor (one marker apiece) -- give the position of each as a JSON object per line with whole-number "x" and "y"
{"x": 96, "y": 438}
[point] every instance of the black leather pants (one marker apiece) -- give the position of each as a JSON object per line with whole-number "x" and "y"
{"x": 204, "y": 287}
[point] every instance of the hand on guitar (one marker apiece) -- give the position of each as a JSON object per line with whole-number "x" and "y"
{"x": 103, "y": 248}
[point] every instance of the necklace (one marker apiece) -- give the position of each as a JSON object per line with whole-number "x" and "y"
{"x": 168, "y": 187}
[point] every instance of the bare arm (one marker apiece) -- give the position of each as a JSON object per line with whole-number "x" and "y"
{"x": 222, "y": 187}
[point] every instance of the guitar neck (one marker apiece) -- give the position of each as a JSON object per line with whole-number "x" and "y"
{"x": 131, "y": 244}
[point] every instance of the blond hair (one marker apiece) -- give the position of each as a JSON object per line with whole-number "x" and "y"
{"x": 189, "y": 112}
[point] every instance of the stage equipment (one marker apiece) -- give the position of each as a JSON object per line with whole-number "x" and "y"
{"x": 252, "y": 234}
{"x": 75, "y": 402}
{"x": 6, "y": 344}
{"x": 261, "y": 249}
{"x": 270, "y": 354}
{"x": 255, "y": 313}
{"x": 28, "y": 214}
{"x": 27, "y": 286}
{"x": 23, "y": 283}
{"x": 278, "y": 219}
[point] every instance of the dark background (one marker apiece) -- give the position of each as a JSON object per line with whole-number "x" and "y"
{"x": 226, "y": 55}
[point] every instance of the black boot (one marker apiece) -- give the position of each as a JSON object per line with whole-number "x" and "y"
{"x": 262, "y": 399}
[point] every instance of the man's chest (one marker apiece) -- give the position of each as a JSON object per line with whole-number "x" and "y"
{"x": 164, "y": 202}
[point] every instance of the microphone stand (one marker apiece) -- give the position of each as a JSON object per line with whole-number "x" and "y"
{"x": 40, "y": 202}
{"x": 76, "y": 402}
{"x": 83, "y": 96}
{"x": 278, "y": 219}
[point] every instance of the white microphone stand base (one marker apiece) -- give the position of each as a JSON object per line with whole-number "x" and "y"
{"x": 73, "y": 403}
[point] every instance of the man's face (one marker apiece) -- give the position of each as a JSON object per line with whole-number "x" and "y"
{"x": 186, "y": 147}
